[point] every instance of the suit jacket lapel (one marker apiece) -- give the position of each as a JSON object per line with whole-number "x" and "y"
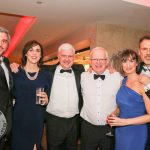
{"x": 5, "y": 60}
{"x": 77, "y": 78}
{"x": 76, "y": 72}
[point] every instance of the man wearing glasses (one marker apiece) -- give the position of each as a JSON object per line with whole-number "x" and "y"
{"x": 99, "y": 90}
{"x": 5, "y": 87}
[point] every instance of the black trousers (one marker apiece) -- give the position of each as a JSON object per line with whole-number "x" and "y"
{"x": 61, "y": 133}
{"x": 5, "y": 143}
{"x": 94, "y": 137}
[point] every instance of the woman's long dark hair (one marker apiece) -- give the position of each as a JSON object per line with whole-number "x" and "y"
{"x": 29, "y": 45}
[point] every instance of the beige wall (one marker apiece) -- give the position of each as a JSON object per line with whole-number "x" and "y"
{"x": 84, "y": 33}
{"x": 111, "y": 37}
{"x": 115, "y": 37}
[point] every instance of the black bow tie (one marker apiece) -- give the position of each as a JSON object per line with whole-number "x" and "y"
{"x": 96, "y": 76}
{"x": 62, "y": 71}
{"x": 145, "y": 69}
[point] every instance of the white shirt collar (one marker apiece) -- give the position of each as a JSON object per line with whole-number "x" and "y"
{"x": 106, "y": 72}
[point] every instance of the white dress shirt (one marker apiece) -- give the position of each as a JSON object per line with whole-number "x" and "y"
{"x": 146, "y": 71}
{"x": 99, "y": 96}
{"x": 64, "y": 96}
{"x": 5, "y": 71}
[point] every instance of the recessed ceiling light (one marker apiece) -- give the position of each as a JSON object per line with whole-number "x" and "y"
{"x": 39, "y": 2}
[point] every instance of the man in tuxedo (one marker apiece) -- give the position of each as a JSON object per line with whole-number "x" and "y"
{"x": 5, "y": 86}
{"x": 62, "y": 122}
{"x": 99, "y": 89}
{"x": 144, "y": 70}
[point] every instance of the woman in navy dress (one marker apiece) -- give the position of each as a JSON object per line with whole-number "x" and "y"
{"x": 28, "y": 117}
{"x": 133, "y": 107}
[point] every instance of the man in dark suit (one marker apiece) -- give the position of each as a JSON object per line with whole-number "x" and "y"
{"x": 62, "y": 125}
{"x": 5, "y": 86}
{"x": 144, "y": 70}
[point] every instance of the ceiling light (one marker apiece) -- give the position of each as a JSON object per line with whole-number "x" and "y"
{"x": 39, "y": 2}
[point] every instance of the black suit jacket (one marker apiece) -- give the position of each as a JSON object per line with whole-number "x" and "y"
{"x": 6, "y": 97}
{"x": 139, "y": 70}
{"x": 77, "y": 69}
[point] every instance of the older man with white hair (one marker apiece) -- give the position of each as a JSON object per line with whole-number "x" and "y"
{"x": 65, "y": 98}
{"x": 99, "y": 90}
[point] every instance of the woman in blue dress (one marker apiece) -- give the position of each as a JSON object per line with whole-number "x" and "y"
{"x": 28, "y": 117}
{"x": 133, "y": 110}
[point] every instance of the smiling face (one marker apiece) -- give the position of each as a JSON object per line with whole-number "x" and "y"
{"x": 66, "y": 56}
{"x": 99, "y": 60}
{"x": 33, "y": 54}
{"x": 129, "y": 66}
{"x": 3, "y": 42}
{"x": 129, "y": 61}
{"x": 144, "y": 51}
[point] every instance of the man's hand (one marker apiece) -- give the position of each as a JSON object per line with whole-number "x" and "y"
{"x": 144, "y": 79}
{"x": 14, "y": 67}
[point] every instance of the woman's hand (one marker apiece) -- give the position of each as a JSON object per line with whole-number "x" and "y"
{"x": 43, "y": 98}
{"x": 144, "y": 79}
{"x": 113, "y": 114}
{"x": 116, "y": 121}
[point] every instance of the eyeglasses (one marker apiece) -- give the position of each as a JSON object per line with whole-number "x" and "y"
{"x": 4, "y": 41}
{"x": 96, "y": 59}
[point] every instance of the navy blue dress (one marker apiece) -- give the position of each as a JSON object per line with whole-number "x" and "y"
{"x": 28, "y": 117}
{"x": 131, "y": 104}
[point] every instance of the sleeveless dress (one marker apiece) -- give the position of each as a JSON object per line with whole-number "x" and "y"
{"x": 131, "y": 104}
{"x": 28, "y": 117}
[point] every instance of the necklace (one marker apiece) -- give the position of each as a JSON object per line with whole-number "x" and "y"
{"x": 32, "y": 77}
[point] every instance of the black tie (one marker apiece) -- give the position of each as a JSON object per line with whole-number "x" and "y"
{"x": 62, "y": 71}
{"x": 96, "y": 76}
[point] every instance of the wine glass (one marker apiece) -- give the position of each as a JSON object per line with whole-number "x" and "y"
{"x": 110, "y": 133}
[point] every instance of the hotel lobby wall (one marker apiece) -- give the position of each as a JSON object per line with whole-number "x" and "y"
{"x": 111, "y": 37}
{"x": 83, "y": 33}
{"x": 115, "y": 37}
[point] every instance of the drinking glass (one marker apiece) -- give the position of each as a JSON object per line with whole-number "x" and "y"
{"x": 38, "y": 98}
{"x": 110, "y": 133}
